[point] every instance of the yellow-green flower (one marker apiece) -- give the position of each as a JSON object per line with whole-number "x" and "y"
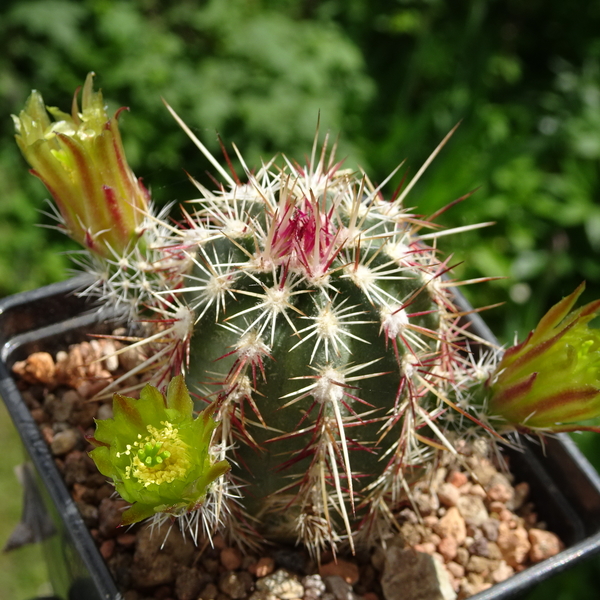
{"x": 80, "y": 159}
{"x": 551, "y": 381}
{"x": 157, "y": 453}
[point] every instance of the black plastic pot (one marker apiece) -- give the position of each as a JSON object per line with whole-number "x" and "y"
{"x": 564, "y": 486}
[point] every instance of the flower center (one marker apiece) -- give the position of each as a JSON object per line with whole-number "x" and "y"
{"x": 160, "y": 457}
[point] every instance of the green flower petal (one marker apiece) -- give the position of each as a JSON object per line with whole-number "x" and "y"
{"x": 552, "y": 379}
{"x": 156, "y": 453}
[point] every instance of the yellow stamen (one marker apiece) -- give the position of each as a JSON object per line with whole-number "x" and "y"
{"x": 168, "y": 459}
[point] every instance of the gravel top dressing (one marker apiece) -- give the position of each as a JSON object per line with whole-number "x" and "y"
{"x": 467, "y": 528}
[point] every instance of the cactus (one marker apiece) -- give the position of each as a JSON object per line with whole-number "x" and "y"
{"x": 317, "y": 318}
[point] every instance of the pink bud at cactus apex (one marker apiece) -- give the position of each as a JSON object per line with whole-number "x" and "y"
{"x": 80, "y": 159}
{"x": 551, "y": 381}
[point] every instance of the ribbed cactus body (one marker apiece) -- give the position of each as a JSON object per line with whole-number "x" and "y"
{"x": 320, "y": 315}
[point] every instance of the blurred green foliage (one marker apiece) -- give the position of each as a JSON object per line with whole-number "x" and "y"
{"x": 390, "y": 76}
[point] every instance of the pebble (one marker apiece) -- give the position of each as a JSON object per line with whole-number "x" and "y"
{"x": 262, "y": 595}
{"x": 520, "y": 495}
{"x": 314, "y": 587}
{"x": 282, "y": 584}
{"x": 544, "y": 544}
{"x": 479, "y": 564}
{"x": 448, "y": 494}
{"x": 64, "y": 441}
{"x": 110, "y": 512}
{"x": 462, "y": 556}
{"x": 126, "y": 539}
{"x": 38, "y": 367}
{"x": 483, "y": 470}
{"x": 426, "y": 503}
{"x": 513, "y": 543}
{"x": 477, "y": 490}
{"x": 427, "y": 547}
{"x": 231, "y": 558}
{"x": 107, "y": 548}
{"x": 455, "y": 569}
{"x": 165, "y": 540}
{"x": 408, "y": 515}
{"x": 81, "y": 493}
{"x": 60, "y": 409}
{"x": 265, "y": 566}
{"x": 412, "y": 534}
{"x": 470, "y": 588}
{"x": 348, "y": 571}
{"x": 489, "y": 529}
{"x": 210, "y": 592}
{"x": 211, "y": 565}
{"x": 77, "y": 467}
{"x": 505, "y": 515}
{"x": 453, "y": 525}
{"x": 89, "y": 513}
{"x": 448, "y": 548}
{"x": 340, "y": 589}
{"x": 500, "y": 492}
{"x": 493, "y": 551}
{"x": 457, "y": 478}
{"x": 188, "y": 583}
{"x": 410, "y": 575}
{"x": 155, "y": 570}
{"x": 235, "y": 584}
{"x": 430, "y": 521}
{"x": 472, "y": 509}
{"x": 105, "y": 411}
{"x": 111, "y": 360}
{"x": 480, "y": 547}
{"x": 39, "y": 415}
{"x": 502, "y": 572}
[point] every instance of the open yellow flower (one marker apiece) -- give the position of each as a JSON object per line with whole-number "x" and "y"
{"x": 80, "y": 159}
{"x": 157, "y": 454}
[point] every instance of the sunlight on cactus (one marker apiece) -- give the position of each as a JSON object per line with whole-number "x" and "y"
{"x": 156, "y": 453}
{"x": 319, "y": 319}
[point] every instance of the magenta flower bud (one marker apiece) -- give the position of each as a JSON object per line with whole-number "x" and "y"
{"x": 81, "y": 161}
{"x": 551, "y": 381}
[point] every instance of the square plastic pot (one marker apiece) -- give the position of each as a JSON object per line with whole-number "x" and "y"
{"x": 564, "y": 486}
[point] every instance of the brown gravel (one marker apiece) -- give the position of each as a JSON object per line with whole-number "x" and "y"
{"x": 476, "y": 526}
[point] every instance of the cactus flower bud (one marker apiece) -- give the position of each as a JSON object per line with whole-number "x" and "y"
{"x": 156, "y": 453}
{"x": 80, "y": 159}
{"x": 551, "y": 381}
